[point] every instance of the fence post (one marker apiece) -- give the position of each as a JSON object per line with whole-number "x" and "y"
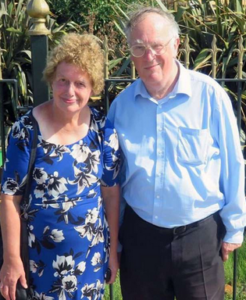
{"x": 186, "y": 50}
{"x": 106, "y": 74}
{"x": 1, "y": 107}
{"x": 214, "y": 50}
{"x": 240, "y": 51}
{"x": 38, "y": 10}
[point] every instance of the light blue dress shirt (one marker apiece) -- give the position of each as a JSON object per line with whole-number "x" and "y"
{"x": 182, "y": 154}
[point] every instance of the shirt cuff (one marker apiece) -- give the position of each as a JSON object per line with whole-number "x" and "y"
{"x": 234, "y": 237}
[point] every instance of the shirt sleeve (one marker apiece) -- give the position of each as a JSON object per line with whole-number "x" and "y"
{"x": 232, "y": 177}
{"x": 111, "y": 155}
{"x": 17, "y": 159}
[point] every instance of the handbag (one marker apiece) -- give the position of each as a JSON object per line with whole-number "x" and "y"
{"x": 21, "y": 292}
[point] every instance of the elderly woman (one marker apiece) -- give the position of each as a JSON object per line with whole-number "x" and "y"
{"x": 74, "y": 179}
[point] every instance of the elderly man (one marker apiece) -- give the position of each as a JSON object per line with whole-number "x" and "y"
{"x": 183, "y": 171}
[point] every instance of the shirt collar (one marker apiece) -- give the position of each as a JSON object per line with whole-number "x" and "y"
{"x": 182, "y": 86}
{"x": 141, "y": 89}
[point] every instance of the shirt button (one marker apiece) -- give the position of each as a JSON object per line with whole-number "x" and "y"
{"x": 158, "y": 196}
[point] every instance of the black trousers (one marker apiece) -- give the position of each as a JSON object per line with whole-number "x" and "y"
{"x": 160, "y": 264}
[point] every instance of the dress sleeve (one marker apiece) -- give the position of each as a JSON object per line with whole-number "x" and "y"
{"x": 17, "y": 158}
{"x": 111, "y": 155}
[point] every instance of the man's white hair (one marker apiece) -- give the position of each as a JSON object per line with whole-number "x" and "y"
{"x": 138, "y": 14}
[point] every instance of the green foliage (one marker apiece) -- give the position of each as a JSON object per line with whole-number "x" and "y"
{"x": 15, "y": 55}
{"x": 203, "y": 20}
{"x": 91, "y": 14}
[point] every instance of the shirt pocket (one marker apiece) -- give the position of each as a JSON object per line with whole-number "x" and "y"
{"x": 192, "y": 146}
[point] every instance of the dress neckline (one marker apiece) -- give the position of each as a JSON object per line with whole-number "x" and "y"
{"x": 92, "y": 117}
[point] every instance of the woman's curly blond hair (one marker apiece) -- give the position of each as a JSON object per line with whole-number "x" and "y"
{"x": 81, "y": 50}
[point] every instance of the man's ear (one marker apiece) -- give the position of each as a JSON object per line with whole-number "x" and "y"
{"x": 175, "y": 46}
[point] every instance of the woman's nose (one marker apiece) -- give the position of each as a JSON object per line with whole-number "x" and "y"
{"x": 70, "y": 88}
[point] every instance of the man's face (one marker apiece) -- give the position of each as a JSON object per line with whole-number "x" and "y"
{"x": 153, "y": 31}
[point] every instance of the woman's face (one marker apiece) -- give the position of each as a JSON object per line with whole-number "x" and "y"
{"x": 71, "y": 87}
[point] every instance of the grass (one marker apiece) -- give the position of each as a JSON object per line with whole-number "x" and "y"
{"x": 116, "y": 290}
{"x": 241, "y": 266}
{"x": 241, "y": 278}
{"x": 241, "y": 273}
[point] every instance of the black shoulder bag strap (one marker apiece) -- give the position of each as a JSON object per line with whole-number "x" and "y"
{"x": 25, "y": 198}
{"x": 25, "y": 201}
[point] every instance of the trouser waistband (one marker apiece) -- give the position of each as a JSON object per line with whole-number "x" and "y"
{"x": 179, "y": 229}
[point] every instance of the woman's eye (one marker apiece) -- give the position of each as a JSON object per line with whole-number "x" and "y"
{"x": 80, "y": 84}
{"x": 62, "y": 80}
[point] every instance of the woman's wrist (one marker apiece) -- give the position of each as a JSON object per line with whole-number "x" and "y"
{"x": 11, "y": 258}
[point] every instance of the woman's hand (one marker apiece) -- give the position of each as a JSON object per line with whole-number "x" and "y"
{"x": 12, "y": 271}
{"x": 113, "y": 266}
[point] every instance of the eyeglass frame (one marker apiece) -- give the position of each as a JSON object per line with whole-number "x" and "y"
{"x": 150, "y": 47}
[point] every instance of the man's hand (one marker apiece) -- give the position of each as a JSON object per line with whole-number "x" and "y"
{"x": 227, "y": 248}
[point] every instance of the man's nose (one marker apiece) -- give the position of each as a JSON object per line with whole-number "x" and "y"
{"x": 149, "y": 53}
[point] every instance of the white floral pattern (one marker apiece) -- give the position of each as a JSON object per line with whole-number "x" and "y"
{"x": 68, "y": 232}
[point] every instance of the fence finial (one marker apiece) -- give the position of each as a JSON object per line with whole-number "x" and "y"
{"x": 214, "y": 50}
{"x": 240, "y": 51}
{"x": 106, "y": 51}
{"x": 1, "y": 77}
{"x": 186, "y": 50}
{"x": 38, "y": 10}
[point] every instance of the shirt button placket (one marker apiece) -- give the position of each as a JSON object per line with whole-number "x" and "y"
{"x": 160, "y": 152}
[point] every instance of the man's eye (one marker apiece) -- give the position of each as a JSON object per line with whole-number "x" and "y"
{"x": 139, "y": 47}
{"x": 157, "y": 47}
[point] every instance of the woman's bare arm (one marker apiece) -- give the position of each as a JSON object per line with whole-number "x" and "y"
{"x": 12, "y": 269}
{"x": 111, "y": 196}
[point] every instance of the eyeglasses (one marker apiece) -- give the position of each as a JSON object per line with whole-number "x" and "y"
{"x": 139, "y": 49}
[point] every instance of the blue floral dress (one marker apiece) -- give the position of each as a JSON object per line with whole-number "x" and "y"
{"x": 68, "y": 232}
